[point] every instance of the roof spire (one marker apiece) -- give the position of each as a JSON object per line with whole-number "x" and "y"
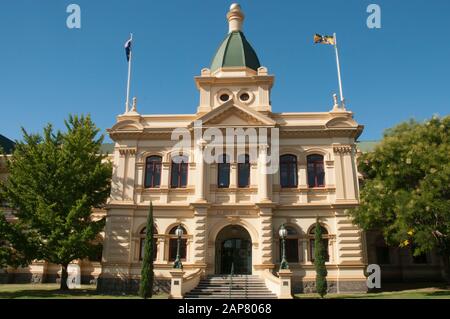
{"x": 235, "y": 18}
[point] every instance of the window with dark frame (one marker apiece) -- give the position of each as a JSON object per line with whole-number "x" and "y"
{"x": 173, "y": 243}
{"x": 244, "y": 171}
{"x": 316, "y": 172}
{"x": 288, "y": 171}
{"x": 179, "y": 172}
{"x": 152, "y": 172}
{"x": 142, "y": 235}
{"x": 291, "y": 242}
{"x": 325, "y": 239}
{"x": 223, "y": 172}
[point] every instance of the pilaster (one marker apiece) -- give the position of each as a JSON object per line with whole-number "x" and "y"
{"x": 200, "y": 242}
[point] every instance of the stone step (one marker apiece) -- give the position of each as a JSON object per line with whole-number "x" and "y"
{"x": 234, "y": 280}
{"x": 232, "y": 287}
{"x": 234, "y": 284}
{"x": 232, "y": 290}
{"x": 242, "y": 287}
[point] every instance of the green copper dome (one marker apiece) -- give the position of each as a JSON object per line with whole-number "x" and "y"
{"x": 235, "y": 51}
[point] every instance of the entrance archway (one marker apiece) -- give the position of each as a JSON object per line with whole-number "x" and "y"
{"x": 233, "y": 247}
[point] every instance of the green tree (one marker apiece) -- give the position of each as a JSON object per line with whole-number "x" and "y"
{"x": 16, "y": 247}
{"x": 320, "y": 255}
{"x": 55, "y": 180}
{"x": 406, "y": 193}
{"x": 147, "y": 275}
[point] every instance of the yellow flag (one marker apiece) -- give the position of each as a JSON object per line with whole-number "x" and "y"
{"x": 324, "y": 39}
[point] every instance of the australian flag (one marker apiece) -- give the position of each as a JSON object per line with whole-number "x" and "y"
{"x": 128, "y": 49}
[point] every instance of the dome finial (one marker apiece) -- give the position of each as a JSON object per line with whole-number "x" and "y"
{"x": 235, "y": 18}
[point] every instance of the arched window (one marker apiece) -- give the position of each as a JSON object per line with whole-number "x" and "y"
{"x": 288, "y": 171}
{"x": 142, "y": 235}
{"x": 173, "y": 244}
{"x": 316, "y": 173}
{"x": 223, "y": 172}
{"x": 179, "y": 172}
{"x": 152, "y": 172}
{"x": 325, "y": 238}
{"x": 291, "y": 245}
{"x": 244, "y": 171}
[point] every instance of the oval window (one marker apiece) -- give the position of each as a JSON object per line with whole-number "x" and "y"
{"x": 244, "y": 97}
{"x": 224, "y": 97}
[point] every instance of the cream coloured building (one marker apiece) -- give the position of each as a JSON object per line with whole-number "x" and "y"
{"x": 230, "y": 210}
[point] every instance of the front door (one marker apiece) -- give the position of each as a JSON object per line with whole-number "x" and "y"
{"x": 236, "y": 253}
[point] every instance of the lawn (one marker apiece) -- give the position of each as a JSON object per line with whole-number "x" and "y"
{"x": 424, "y": 293}
{"x": 14, "y": 291}
{"x": 21, "y": 291}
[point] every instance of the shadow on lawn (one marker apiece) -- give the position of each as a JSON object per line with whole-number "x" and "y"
{"x": 438, "y": 293}
{"x": 45, "y": 293}
{"x": 82, "y": 293}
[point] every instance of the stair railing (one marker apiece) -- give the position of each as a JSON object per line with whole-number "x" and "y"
{"x": 231, "y": 278}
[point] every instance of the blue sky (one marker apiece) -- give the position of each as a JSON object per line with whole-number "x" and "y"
{"x": 391, "y": 74}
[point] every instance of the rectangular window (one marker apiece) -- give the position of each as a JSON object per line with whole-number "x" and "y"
{"x": 179, "y": 174}
{"x": 153, "y": 175}
{"x": 311, "y": 249}
{"x": 291, "y": 250}
{"x": 173, "y": 249}
{"x": 243, "y": 174}
{"x": 316, "y": 173}
{"x": 142, "y": 246}
{"x": 288, "y": 171}
{"x": 223, "y": 175}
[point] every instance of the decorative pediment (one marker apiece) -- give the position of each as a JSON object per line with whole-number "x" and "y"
{"x": 127, "y": 126}
{"x": 341, "y": 122}
{"x": 233, "y": 113}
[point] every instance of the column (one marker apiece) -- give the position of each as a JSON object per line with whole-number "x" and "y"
{"x": 200, "y": 167}
{"x": 233, "y": 182}
{"x": 350, "y": 171}
{"x": 165, "y": 168}
{"x": 339, "y": 173}
{"x": 139, "y": 182}
{"x": 302, "y": 180}
{"x": 127, "y": 161}
{"x": 116, "y": 191}
{"x": 233, "y": 174}
{"x": 304, "y": 247}
{"x": 263, "y": 177}
{"x": 161, "y": 250}
{"x": 131, "y": 174}
{"x": 346, "y": 183}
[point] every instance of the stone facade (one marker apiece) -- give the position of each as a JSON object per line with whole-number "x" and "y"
{"x": 234, "y": 97}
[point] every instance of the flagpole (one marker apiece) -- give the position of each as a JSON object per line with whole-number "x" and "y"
{"x": 129, "y": 76}
{"x": 339, "y": 72}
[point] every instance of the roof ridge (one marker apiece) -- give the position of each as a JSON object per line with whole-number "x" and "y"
{"x": 225, "y": 51}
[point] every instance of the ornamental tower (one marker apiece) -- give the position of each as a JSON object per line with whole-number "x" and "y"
{"x": 235, "y": 73}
